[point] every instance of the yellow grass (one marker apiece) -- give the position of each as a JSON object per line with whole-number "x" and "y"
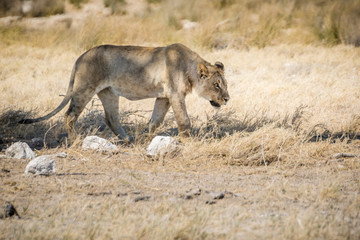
{"x": 271, "y": 149}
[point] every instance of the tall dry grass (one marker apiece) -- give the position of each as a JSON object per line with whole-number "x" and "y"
{"x": 281, "y": 98}
{"x": 35, "y": 8}
{"x": 294, "y": 87}
{"x": 221, "y": 24}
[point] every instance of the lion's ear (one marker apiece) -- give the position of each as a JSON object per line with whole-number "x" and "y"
{"x": 202, "y": 70}
{"x": 220, "y": 65}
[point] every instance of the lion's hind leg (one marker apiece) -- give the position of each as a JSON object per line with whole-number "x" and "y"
{"x": 78, "y": 102}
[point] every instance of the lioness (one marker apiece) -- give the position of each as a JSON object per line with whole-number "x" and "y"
{"x": 165, "y": 73}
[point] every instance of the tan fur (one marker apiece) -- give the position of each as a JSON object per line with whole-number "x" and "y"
{"x": 165, "y": 73}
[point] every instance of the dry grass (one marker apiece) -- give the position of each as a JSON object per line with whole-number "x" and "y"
{"x": 293, "y": 106}
{"x": 35, "y": 8}
{"x": 94, "y": 196}
{"x": 220, "y": 24}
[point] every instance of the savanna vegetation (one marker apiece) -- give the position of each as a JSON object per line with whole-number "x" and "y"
{"x": 284, "y": 150}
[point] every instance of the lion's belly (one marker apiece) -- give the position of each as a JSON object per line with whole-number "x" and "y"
{"x": 135, "y": 83}
{"x": 137, "y": 76}
{"x": 138, "y": 91}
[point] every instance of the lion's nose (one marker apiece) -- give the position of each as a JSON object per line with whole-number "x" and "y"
{"x": 226, "y": 99}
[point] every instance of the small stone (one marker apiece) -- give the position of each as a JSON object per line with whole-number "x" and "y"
{"x": 20, "y": 150}
{"x": 9, "y": 211}
{"x": 187, "y": 196}
{"x": 216, "y": 195}
{"x": 43, "y": 165}
{"x": 122, "y": 194}
{"x": 142, "y": 198}
{"x": 187, "y": 24}
{"x": 4, "y": 170}
{"x": 99, "y": 194}
{"x": 36, "y": 143}
{"x": 234, "y": 195}
{"x": 97, "y": 143}
{"x": 161, "y": 145}
{"x": 60, "y": 155}
{"x": 136, "y": 192}
{"x": 191, "y": 194}
{"x": 195, "y": 192}
{"x": 343, "y": 155}
{"x": 210, "y": 202}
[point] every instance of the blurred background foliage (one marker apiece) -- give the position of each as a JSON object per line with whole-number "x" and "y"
{"x": 216, "y": 23}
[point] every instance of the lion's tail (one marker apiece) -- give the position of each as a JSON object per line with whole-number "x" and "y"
{"x": 60, "y": 107}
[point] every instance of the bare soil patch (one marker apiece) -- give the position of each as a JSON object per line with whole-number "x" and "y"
{"x": 94, "y": 195}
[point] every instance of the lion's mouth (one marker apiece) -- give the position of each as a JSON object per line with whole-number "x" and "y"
{"x": 214, "y": 104}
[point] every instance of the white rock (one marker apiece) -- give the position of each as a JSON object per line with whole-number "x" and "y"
{"x": 20, "y": 150}
{"x": 97, "y": 143}
{"x": 60, "y": 155}
{"x": 27, "y": 6}
{"x": 161, "y": 145}
{"x": 187, "y": 24}
{"x": 43, "y": 165}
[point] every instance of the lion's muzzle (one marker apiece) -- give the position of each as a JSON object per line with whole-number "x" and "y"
{"x": 215, "y": 104}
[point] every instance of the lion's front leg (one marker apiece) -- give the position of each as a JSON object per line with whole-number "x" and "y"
{"x": 161, "y": 107}
{"x": 181, "y": 116}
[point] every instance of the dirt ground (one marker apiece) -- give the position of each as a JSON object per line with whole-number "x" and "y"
{"x": 128, "y": 196}
{"x": 271, "y": 164}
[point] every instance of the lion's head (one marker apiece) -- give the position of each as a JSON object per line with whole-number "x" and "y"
{"x": 213, "y": 85}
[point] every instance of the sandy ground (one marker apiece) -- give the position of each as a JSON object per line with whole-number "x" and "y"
{"x": 127, "y": 196}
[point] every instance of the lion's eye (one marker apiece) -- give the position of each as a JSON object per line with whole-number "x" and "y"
{"x": 217, "y": 86}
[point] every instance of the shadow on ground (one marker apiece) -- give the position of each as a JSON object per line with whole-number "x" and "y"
{"x": 51, "y": 133}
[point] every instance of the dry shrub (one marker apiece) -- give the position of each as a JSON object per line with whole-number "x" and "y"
{"x": 91, "y": 122}
{"x": 10, "y": 7}
{"x": 332, "y": 22}
{"x": 116, "y": 31}
{"x": 46, "y": 8}
{"x": 78, "y": 3}
{"x": 261, "y": 147}
{"x": 37, "y": 8}
{"x": 262, "y": 140}
{"x": 354, "y": 125}
{"x": 344, "y": 21}
{"x": 116, "y": 6}
{"x": 219, "y": 4}
{"x": 228, "y": 122}
{"x": 154, "y": 1}
{"x": 263, "y": 23}
{"x": 250, "y": 140}
{"x": 11, "y": 34}
{"x": 221, "y": 24}
{"x": 11, "y": 131}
